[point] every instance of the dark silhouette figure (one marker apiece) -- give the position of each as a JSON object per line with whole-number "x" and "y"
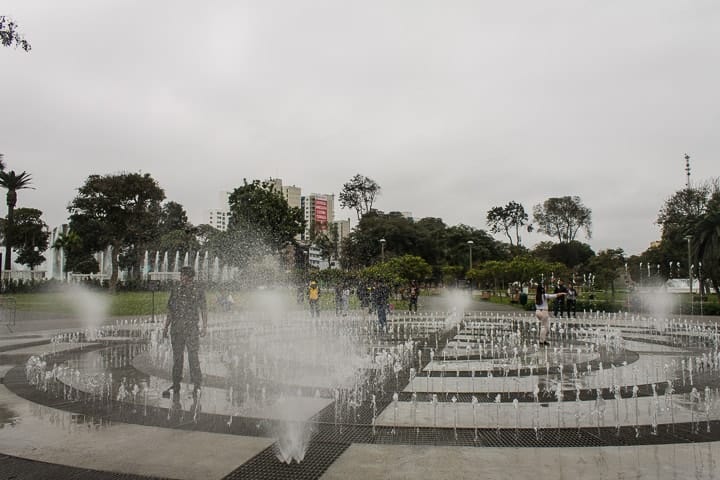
{"x": 186, "y": 306}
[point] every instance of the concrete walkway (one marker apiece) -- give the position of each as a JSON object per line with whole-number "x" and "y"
{"x": 58, "y": 437}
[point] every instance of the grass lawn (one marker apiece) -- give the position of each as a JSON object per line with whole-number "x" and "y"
{"x": 141, "y": 303}
{"x": 124, "y": 303}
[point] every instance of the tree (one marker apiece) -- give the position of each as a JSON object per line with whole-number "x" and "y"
{"x": 563, "y": 217}
{"x": 326, "y": 245}
{"x": 208, "y": 238}
{"x": 118, "y": 211}
{"x": 261, "y": 221}
{"x": 363, "y": 247}
{"x": 606, "y": 267}
{"x": 173, "y": 217}
{"x": 484, "y": 246}
{"x": 31, "y": 237}
{"x": 409, "y": 267}
{"x": 179, "y": 240}
{"x": 678, "y": 218}
{"x": 67, "y": 242}
{"x": 571, "y": 254}
{"x": 12, "y": 183}
{"x": 10, "y": 36}
{"x": 504, "y": 219}
{"x": 432, "y": 238}
{"x": 706, "y": 242}
{"x": 359, "y": 194}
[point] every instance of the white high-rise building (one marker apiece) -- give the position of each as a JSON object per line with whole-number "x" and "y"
{"x": 220, "y": 218}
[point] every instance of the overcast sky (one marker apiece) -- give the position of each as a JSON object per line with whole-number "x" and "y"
{"x": 453, "y": 107}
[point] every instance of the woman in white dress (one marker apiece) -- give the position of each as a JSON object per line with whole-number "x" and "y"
{"x": 541, "y": 311}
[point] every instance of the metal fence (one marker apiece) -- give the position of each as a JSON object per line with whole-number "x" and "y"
{"x": 8, "y": 307}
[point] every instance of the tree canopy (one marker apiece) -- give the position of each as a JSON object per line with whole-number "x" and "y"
{"x": 429, "y": 238}
{"x": 11, "y": 182}
{"x": 120, "y": 211}
{"x": 508, "y": 220}
{"x": 563, "y": 217}
{"x": 572, "y": 253}
{"x": 10, "y": 36}
{"x": 30, "y": 237}
{"x": 359, "y": 194}
{"x": 172, "y": 217}
{"x": 706, "y": 242}
{"x": 606, "y": 266}
{"x": 261, "y": 222}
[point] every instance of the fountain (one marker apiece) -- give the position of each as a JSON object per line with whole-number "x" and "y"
{"x": 272, "y": 370}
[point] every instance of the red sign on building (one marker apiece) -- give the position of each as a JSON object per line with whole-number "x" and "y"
{"x": 321, "y": 213}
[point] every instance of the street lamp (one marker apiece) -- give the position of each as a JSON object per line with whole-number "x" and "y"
{"x": 689, "y": 239}
{"x": 382, "y": 250}
{"x": 470, "y": 244}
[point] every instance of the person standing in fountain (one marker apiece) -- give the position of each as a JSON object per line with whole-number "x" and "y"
{"x": 381, "y": 296}
{"x": 541, "y": 311}
{"x": 413, "y": 296}
{"x": 314, "y": 298}
{"x": 571, "y": 301}
{"x": 186, "y": 305}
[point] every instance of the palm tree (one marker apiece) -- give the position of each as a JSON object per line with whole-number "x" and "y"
{"x": 707, "y": 246}
{"x": 64, "y": 243}
{"x": 12, "y": 183}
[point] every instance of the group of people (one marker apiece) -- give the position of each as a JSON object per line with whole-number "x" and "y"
{"x": 374, "y": 296}
{"x": 342, "y": 298}
{"x": 564, "y": 300}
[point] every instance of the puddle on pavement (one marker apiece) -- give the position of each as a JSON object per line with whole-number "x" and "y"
{"x": 7, "y": 417}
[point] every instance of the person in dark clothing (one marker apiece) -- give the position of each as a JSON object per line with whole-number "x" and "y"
{"x": 413, "y": 296}
{"x": 571, "y": 301}
{"x": 186, "y": 305}
{"x": 559, "y": 303}
{"x": 338, "y": 298}
{"x": 380, "y": 297}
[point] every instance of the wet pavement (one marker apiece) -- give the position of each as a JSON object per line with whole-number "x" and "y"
{"x": 61, "y": 432}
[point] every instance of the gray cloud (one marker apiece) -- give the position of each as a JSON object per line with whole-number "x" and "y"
{"x": 451, "y": 107}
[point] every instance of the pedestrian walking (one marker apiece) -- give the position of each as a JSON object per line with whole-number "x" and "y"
{"x": 314, "y": 298}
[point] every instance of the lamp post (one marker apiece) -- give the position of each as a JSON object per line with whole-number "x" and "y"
{"x": 689, "y": 240}
{"x": 382, "y": 250}
{"x": 700, "y": 289}
{"x": 470, "y": 245}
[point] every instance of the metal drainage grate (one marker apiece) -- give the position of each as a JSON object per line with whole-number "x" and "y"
{"x": 265, "y": 465}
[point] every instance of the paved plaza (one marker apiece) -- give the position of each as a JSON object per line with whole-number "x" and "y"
{"x": 453, "y": 393}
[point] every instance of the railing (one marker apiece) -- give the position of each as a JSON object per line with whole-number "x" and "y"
{"x": 24, "y": 275}
{"x": 8, "y": 307}
{"x": 81, "y": 277}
